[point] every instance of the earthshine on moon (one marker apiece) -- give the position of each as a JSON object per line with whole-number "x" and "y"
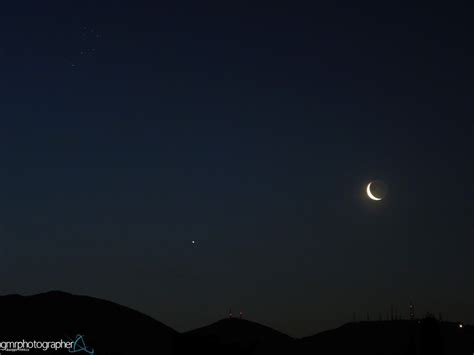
{"x": 369, "y": 193}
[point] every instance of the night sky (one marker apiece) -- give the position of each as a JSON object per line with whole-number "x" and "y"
{"x": 131, "y": 129}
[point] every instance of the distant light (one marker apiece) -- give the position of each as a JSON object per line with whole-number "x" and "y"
{"x": 193, "y": 242}
{"x": 460, "y": 325}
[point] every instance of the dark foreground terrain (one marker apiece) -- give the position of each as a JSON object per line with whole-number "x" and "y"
{"x": 109, "y": 328}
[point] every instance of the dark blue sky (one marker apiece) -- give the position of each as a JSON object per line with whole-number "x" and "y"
{"x": 129, "y": 129}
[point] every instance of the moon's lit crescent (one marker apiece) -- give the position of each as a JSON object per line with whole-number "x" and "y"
{"x": 369, "y": 193}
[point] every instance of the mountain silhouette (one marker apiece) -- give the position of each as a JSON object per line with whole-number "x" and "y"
{"x": 400, "y": 337}
{"x": 239, "y": 336}
{"x": 110, "y": 329}
{"x": 107, "y": 327}
{"x": 390, "y": 337}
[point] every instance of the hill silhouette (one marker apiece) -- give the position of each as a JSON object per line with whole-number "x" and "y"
{"x": 107, "y": 327}
{"x": 411, "y": 337}
{"x": 238, "y": 336}
{"x": 110, "y": 328}
{"x": 394, "y": 337}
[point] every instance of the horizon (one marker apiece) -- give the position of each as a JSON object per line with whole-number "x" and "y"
{"x": 395, "y": 317}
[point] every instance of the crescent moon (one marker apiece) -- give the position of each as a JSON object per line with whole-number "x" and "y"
{"x": 369, "y": 193}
